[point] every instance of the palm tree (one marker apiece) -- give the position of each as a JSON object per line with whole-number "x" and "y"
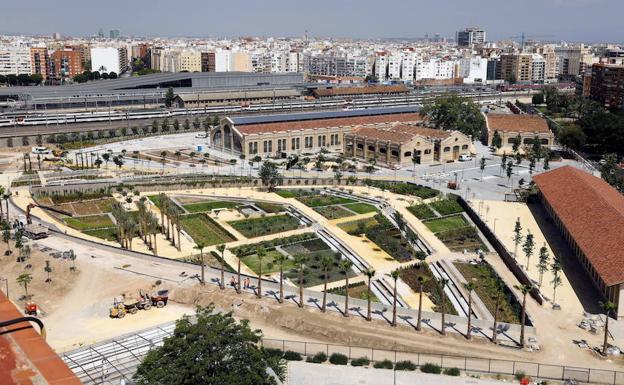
{"x": 443, "y": 283}
{"x": 395, "y": 275}
{"x": 524, "y": 289}
{"x": 345, "y": 266}
{"x": 327, "y": 263}
{"x": 497, "y": 298}
{"x": 469, "y": 286}
{"x": 48, "y": 270}
{"x": 607, "y": 307}
{"x": 200, "y": 246}
{"x": 221, "y": 249}
{"x": 370, "y": 273}
{"x": 239, "y": 256}
{"x": 280, "y": 259}
{"x": 421, "y": 283}
{"x": 261, "y": 254}
{"x": 301, "y": 260}
{"x": 23, "y": 280}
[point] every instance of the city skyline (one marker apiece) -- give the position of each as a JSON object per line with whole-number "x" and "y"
{"x": 551, "y": 20}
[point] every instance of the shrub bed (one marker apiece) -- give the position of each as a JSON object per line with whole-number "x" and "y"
{"x": 421, "y": 211}
{"x": 447, "y": 206}
{"x": 289, "y": 355}
{"x": 431, "y": 368}
{"x": 452, "y": 372}
{"x": 405, "y": 365}
{"x": 318, "y": 358}
{"x": 402, "y": 188}
{"x": 338, "y": 359}
{"x": 431, "y": 288}
{"x": 362, "y": 361}
{"x": 385, "y": 364}
{"x": 256, "y": 227}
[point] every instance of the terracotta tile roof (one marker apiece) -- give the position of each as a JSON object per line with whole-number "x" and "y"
{"x": 384, "y": 135}
{"x": 360, "y": 90}
{"x": 422, "y": 131}
{"x": 516, "y": 123}
{"x": 325, "y": 123}
{"x": 25, "y": 358}
{"x": 593, "y": 213}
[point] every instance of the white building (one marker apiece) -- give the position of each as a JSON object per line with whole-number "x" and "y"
{"x": 538, "y": 69}
{"x": 15, "y": 61}
{"x": 473, "y": 69}
{"x": 381, "y": 66}
{"x": 394, "y": 67}
{"x": 436, "y": 69}
{"x": 109, "y": 59}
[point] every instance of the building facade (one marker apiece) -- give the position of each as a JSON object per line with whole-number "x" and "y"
{"x": 65, "y": 63}
{"x": 470, "y": 37}
{"x": 509, "y": 126}
{"x": 607, "y": 85}
{"x": 15, "y": 61}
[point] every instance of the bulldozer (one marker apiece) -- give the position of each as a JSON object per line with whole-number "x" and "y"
{"x": 118, "y": 310}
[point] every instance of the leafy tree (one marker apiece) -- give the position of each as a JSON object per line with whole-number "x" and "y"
{"x": 555, "y": 267}
{"x": 269, "y": 174}
{"x": 608, "y": 307}
{"x": 609, "y": 171}
{"x": 470, "y": 287}
{"x": 572, "y": 136}
{"x": 482, "y": 166}
{"x": 516, "y": 144}
{"x": 23, "y": 280}
{"x": 169, "y": 96}
{"x": 542, "y": 265}
{"x": 524, "y": 289}
{"x": 214, "y": 349}
{"x": 517, "y": 236}
{"x": 528, "y": 247}
{"x": 454, "y": 112}
{"x": 537, "y": 99}
{"x": 36, "y": 78}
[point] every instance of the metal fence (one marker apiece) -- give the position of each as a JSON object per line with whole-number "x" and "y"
{"x": 535, "y": 370}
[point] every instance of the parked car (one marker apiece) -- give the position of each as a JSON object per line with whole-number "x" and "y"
{"x": 465, "y": 157}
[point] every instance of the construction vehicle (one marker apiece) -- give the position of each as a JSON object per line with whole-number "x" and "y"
{"x": 33, "y": 205}
{"x": 118, "y": 310}
{"x": 30, "y": 308}
{"x": 160, "y": 298}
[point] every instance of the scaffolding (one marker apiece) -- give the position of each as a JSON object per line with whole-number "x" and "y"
{"x": 114, "y": 362}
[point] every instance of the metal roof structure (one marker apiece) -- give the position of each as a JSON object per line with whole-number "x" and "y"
{"x": 278, "y": 118}
{"x": 110, "y": 362}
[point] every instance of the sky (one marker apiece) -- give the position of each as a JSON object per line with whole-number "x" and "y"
{"x": 556, "y": 20}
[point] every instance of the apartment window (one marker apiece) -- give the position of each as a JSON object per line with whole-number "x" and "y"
{"x": 321, "y": 141}
{"x": 295, "y": 143}
{"x": 281, "y": 145}
{"x": 268, "y": 145}
{"x": 253, "y": 147}
{"x": 309, "y": 142}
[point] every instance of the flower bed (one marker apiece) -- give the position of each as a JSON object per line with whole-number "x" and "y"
{"x": 205, "y": 230}
{"x": 431, "y": 288}
{"x": 255, "y": 227}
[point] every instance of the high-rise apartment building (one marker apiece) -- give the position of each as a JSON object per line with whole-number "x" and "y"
{"x": 550, "y": 62}
{"x": 65, "y": 63}
{"x": 40, "y": 59}
{"x": 208, "y": 62}
{"x": 516, "y": 67}
{"x": 339, "y": 66}
{"x": 607, "y": 85}
{"x": 381, "y": 66}
{"x": 190, "y": 61}
{"x": 109, "y": 59}
{"x": 15, "y": 61}
{"x": 471, "y": 36}
{"x": 573, "y": 60}
{"x": 538, "y": 69}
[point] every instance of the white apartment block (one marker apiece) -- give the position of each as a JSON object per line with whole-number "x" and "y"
{"x": 436, "y": 69}
{"x": 538, "y": 69}
{"x": 109, "y": 59}
{"x": 381, "y": 66}
{"x": 473, "y": 69}
{"x": 15, "y": 61}
{"x": 394, "y": 67}
{"x": 294, "y": 62}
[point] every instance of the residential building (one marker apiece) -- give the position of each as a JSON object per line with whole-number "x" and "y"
{"x": 190, "y": 61}
{"x": 208, "y": 62}
{"x": 473, "y": 69}
{"x": 40, "y": 61}
{"x": 589, "y": 213}
{"x": 470, "y": 37}
{"x": 114, "y": 34}
{"x": 381, "y": 66}
{"x": 15, "y": 61}
{"x": 109, "y": 59}
{"x": 550, "y": 62}
{"x": 339, "y": 66}
{"x": 65, "y": 63}
{"x": 516, "y": 67}
{"x": 607, "y": 85}
{"x": 538, "y": 69}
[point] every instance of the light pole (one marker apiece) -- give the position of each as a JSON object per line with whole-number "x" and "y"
{"x": 494, "y": 228}
{"x": 6, "y": 281}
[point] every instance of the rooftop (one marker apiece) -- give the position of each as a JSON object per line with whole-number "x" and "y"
{"x": 593, "y": 213}
{"x": 516, "y": 123}
{"x": 26, "y": 358}
{"x": 360, "y": 90}
{"x": 400, "y": 133}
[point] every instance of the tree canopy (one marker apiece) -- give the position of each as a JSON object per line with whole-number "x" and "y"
{"x": 269, "y": 174}
{"x": 453, "y": 112}
{"x": 213, "y": 350}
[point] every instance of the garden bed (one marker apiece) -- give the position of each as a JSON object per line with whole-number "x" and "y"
{"x": 361, "y": 208}
{"x": 206, "y": 206}
{"x": 269, "y": 208}
{"x": 448, "y": 223}
{"x": 359, "y": 226}
{"x": 447, "y": 206}
{"x": 357, "y": 290}
{"x": 108, "y": 233}
{"x": 333, "y": 212}
{"x": 268, "y": 262}
{"x": 488, "y": 285}
{"x": 431, "y": 288}
{"x": 423, "y": 192}
{"x": 255, "y": 227}
{"x": 421, "y": 211}
{"x": 390, "y": 239}
{"x": 205, "y": 230}
{"x": 90, "y": 222}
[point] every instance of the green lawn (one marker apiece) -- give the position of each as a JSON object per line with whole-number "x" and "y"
{"x": 447, "y": 207}
{"x": 209, "y": 206}
{"x": 286, "y": 193}
{"x": 333, "y": 212}
{"x": 203, "y": 229}
{"x": 358, "y": 290}
{"x": 269, "y": 208}
{"x": 421, "y": 211}
{"x": 445, "y": 224}
{"x": 108, "y": 233}
{"x": 316, "y": 200}
{"x": 361, "y": 208}
{"x": 358, "y": 227}
{"x": 89, "y": 222}
{"x": 268, "y": 264}
{"x": 255, "y": 227}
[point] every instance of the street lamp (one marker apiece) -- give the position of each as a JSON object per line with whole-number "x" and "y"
{"x": 6, "y": 280}
{"x": 494, "y": 229}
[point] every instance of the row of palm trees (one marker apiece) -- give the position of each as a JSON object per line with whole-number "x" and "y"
{"x": 170, "y": 218}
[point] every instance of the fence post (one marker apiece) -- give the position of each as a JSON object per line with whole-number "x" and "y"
{"x": 441, "y": 360}
{"x": 465, "y": 363}
{"x": 489, "y": 365}
{"x": 305, "y": 348}
{"x": 283, "y": 345}
{"x": 349, "y": 351}
{"x": 538, "y": 369}
{"x": 513, "y": 368}
{"x": 614, "y": 377}
{"x": 327, "y": 346}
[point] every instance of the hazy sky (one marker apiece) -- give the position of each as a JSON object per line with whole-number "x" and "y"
{"x": 571, "y": 20}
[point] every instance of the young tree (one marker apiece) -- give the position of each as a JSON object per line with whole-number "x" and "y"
{"x": 555, "y": 267}
{"x": 482, "y": 166}
{"x": 345, "y": 267}
{"x": 546, "y": 163}
{"x": 531, "y": 164}
{"x": 528, "y": 247}
{"x": 542, "y": 265}
{"x": 517, "y": 236}
{"x": 300, "y": 261}
{"x": 169, "y": 97}
{"x": 421, "y": 283}
{"x": 470, "y": 287}
{"x": 280, "y": 259}
{"x": 213, "y": 348}
{"x": 524, "y": 289}
{"x": 497, "y": 141}
{"x": 395, "y": 274}
{"x": 608, "y": 307}
{"x": 48, "y": 270}
{"x": 200, "y": 246}
{"x": 23, "y": 280}
{"x": 261, "y": 253}
{"x": 509, "y": 170}
{"x": 443, "y": 282}
{"x": 327, "y": 263}
{"x": 503, "y": 162}
{"x": 369, "y": 273}
{"x": 516, "y": 144}
{"x": 497, "y": 299}
{"x": 221, "y": 249}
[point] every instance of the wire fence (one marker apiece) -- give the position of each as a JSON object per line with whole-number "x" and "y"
{"x": 535, "y": 370}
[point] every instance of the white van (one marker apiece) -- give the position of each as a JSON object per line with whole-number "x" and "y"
{"x": 40, "y": 150}
{"x": 465, "y": 158}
